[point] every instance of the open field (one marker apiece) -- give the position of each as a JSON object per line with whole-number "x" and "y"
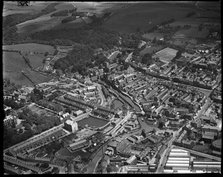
{"x": 43, "y": 22}
{"x": 12, "y": 8}
{"x": 193, "y": 33}
{"x": 151, "y": 36}
{"x": 46, "y": 22}
{"x": 194, "y": 22}
{"x": 95, "y": 7}
{"x": 13, "y": 64}
{"x": 35, "y": 52}
{"x": 30, "y": 47}
{"x": 144, "y": 16}
{"x": 92, "y": 122}
{"x": 116, "y": 104}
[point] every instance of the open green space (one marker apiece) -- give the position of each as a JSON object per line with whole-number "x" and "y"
{"x": 30, "y": 47}
{"x": 116, "y": 104}
{"x": 144, "y": 16}
{"x": 10, "y": 7}
{"x": 13, "y": 64}
{"x": 92, "y": 122}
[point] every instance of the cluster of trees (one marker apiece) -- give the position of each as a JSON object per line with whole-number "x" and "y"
{"x": 11, "y": 137}
{"x": 183, "y": 104}
{"x": 168, "y": 21}
{"x": 79, "y": 58}
{"x": 147, "y": 59}
{"x": 195, "y": 83}
{"x": 14, "y": 105}
{"x": 190, "y": 14}
{"x": 42, "y": 122}
{"x": 68, "y": 19}
{"x": 50, "y": 105}
{"x": 96, "y": 37}
{"x": 60, "y": 13}
{"x": 9, "y": 86}
{"x": 36, "y": 95}
{"x": 131, "y": 40}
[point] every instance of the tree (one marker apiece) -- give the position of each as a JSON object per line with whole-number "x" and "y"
{"x": 143, "y": 133}
{"x": 46, "y": 54}
{"x": 160, "y": 125}
{"x": 154, "y": 40}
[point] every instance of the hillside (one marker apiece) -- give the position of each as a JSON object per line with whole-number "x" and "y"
{"x": 144, "y": 16}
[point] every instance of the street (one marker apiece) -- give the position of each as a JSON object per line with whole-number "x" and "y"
{"x": 164, "y": 156}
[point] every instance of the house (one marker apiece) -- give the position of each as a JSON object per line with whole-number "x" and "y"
{"x": 77, "y": 113}
{"x": 112, "y": 67}
{"x": 131, "y": 160}
{"x": 92, "y": 88}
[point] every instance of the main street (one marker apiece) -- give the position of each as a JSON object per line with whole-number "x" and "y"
{"x": 164, "y": 156}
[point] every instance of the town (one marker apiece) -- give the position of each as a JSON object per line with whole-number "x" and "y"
{"x": 156, "y": 113}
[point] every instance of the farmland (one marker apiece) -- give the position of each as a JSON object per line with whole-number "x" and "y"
{"x": 43, "y": 22}
{"x": 12, "y": 8}
{"x": 30, "y": 47}
{"x": 35, "y": 52}
{"x": 13, "y": 64}
{"x": 145, "y": 16}
{"x": 193, "y": 33}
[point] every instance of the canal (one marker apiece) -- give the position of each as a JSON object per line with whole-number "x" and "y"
{"x": 122, "y": 97}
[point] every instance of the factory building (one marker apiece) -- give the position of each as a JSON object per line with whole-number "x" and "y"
{"x": 71, "y": 126}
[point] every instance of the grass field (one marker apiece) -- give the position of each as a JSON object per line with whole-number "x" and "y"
{"x": 116, "y": 104}
{"x": 193, "y": 33}
{"x": 12, "y": 8}
{"x": 30, "y": 47}
{"x": 144, "y": 16}
{"x": 43, "y": 22}
{"x": 35, "y": 52}
{"x": 92, "y": 122}
{"x": 13, "y": 64}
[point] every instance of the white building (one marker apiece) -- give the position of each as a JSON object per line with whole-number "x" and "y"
{"x": 71, "y": 126}
{"x": 77, "y": 113}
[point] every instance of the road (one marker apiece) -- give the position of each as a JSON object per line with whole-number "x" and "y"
{"x": 203, "y": 109}
{"x": 164, "y": 156}
{"x": 99, "y": 154}
{"x": 103, "y": 100}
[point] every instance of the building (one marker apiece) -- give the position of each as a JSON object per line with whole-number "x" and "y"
{"x": 131, "y": 160}
{"x": 92, "y": 88}
{"x": 71, "y": 126}
{"x": 112, "y": 67}
{"x": 78, "y": 145}
{"x": 77, "y": 113}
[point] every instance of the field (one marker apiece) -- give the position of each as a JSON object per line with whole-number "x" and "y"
{"x": 116, "y": 104}
{"x": 151, "y": 36}
{"x": 46, "y": 22}
{"x": 35, "y": 52}
{"x": 13, "y": 64}
{"x": 144, "y": 16}
{"x": 30, "y": 47}
{"x": 43, "y": 22}
{"x": 92, "y": 122}
{"x": 12, "y": 8}
{"x": 193, "y": 33}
